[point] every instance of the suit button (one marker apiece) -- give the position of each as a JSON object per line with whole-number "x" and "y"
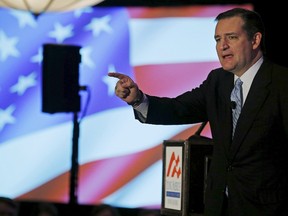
{"x": 230, "y": 168}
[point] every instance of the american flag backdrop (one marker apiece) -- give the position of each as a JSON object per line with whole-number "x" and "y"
{"x": 167, "y": 50}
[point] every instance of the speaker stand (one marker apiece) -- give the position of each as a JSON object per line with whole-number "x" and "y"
{"x": 74, "y": 166}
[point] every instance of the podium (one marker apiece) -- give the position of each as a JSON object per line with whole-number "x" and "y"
{"x": 185, "y": 168}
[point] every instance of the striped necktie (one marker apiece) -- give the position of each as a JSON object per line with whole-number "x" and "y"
{"x": 237, "y": 97}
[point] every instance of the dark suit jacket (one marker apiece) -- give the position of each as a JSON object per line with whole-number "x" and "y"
{"x": 254, "y": 165}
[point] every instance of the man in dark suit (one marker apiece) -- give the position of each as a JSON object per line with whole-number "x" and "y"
{"x": 248, "y": 174}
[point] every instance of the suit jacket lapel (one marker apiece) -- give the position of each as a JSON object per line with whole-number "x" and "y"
{"x": 255, "y": 98}
{"x": 225, "y": 117}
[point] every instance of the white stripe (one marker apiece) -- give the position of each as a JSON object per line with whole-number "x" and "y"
{"x": 34, "y": 159}
{"x": 172, "y": 40}
{"x": 107, "y": 134}
{"x": 144, "y": 190}
{"x": 115, "y": 132}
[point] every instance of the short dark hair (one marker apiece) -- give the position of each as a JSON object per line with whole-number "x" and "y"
{"x": 253, "y": 22}
{"x": 9, "y": 202}
{"x": 98, "y": 209}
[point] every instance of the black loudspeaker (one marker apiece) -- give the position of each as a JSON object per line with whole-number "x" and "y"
{"x": 60, "y": 78}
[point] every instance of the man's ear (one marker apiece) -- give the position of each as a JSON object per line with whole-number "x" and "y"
{"x": 256, "y": 40}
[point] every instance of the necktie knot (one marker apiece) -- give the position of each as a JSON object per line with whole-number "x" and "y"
{"x": 236, "y": 96}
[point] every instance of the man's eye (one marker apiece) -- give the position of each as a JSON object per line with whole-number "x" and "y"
{"x": 231, "y": 37}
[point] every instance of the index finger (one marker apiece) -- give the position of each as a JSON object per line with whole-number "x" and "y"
{"x": 117, "y": 75}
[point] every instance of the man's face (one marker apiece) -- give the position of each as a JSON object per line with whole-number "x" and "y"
{"x": 234, "y": 49}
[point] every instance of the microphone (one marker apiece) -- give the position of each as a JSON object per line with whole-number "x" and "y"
{"x": 233, "y": 105}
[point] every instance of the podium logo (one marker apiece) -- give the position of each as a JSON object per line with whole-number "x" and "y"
{"x": 174, "y": 166}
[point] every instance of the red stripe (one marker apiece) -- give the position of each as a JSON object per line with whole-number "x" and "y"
{"x": 172, "y": 79}
{"x": 182, "y": 11}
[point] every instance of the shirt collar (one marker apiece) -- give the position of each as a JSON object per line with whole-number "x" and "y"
{"x": 249, "y": 75}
